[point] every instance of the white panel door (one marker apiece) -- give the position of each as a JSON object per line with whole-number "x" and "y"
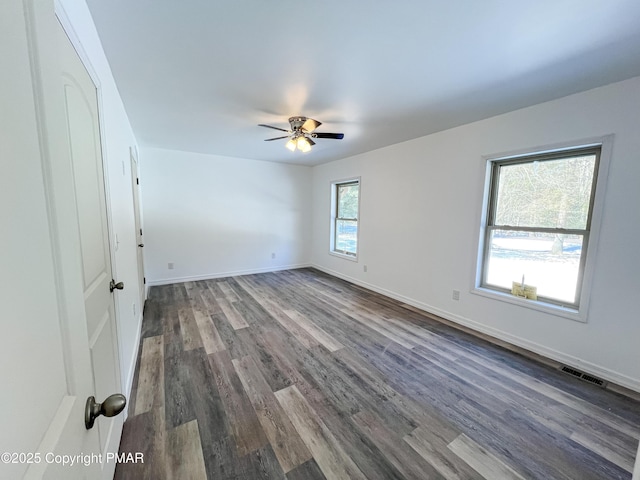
{"x": 83, "y": 130}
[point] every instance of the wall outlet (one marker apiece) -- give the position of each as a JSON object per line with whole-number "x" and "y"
{"x": 273, "y": 255}
{"x": 170, "y": 265}
{"x": 456, "y": 295}
{"x": 364, "y": 268}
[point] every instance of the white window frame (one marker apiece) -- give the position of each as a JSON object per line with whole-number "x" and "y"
{"x": 334, "y": 218}
{"x": 579, "y": 313}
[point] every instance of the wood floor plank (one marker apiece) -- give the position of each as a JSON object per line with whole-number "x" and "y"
{"x": 153, "y": 326}
{"x": 276, "y": 312}
{"x": 358, "y": 316}
{"x": 150, "y": 388}
{"x": 421, "y": 414}
{"x": 307, "y": 471}
{"x": 430, "y": 446}
{"x": 230, "y": 337}
{"x": 208, "y": 299}
{"x": 185, "y": 453}
{"x": 329, "y": 455}
{"x": 547, "y": 454}
{"x": 233, "y": 317}
{"x": 405, "y": 460}
{"x": 211, "y": 340}
{"x": 204, "y": 397}
{"x": 324, "y": 392}
{"x": 189, "y": 329}
{"x": 603, "y": 448}
{"x": 285, "y": 440}
{"x": 177, "y": 390}
{"x": 228, "y": 292}
{"x": 146, "y": 434}
{"x": 261, "y": 463}
{"x": 243, "y": 421}
{"x": 316, "y": 332}
{"x": 481, "y": 460}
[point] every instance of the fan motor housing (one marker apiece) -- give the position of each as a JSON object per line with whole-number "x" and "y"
{"x": 297, "y": 122}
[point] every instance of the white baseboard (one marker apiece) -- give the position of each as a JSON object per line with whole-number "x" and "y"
{"x": 570, "y": 360}
{"x": 235, "y": 273}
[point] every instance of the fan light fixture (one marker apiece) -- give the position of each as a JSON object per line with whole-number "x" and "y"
{"x": 303, "y": 144}
{"x": 301, "y": 135}
{"x": 300, "y": 142}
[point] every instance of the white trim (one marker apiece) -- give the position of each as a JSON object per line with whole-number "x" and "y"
{"x": 605, "y": 373}
{"x": 67, "y": 25}
{"x": 235, "y": 273}
{"x": 582, "y": 313}
{"x": 353, "y": 258}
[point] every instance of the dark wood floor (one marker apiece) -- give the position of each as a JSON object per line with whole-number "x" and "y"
{"x": 298, "y": 375}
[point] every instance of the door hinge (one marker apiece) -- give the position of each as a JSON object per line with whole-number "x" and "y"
{"x": 137, "y": 181}
{"x": 140, "y": 231}
{"x": 144, "y": 280}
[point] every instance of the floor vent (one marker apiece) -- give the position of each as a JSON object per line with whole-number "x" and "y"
{"x": 584, "y": 376}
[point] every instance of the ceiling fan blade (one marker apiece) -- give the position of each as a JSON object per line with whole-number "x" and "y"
{"x": 337, "y": 136}
{"x": 311, "y": 142}
{"x": 275, "y": 128}
{"x": 310, "y": 125}
{"x": 275, "y": 138}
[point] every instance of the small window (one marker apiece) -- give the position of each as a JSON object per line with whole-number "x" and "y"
{"x": 538, "y": 224}
{"x": 344, "y": 224}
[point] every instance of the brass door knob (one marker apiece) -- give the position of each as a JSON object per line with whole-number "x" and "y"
{"x": 113, "y": 285}
{"x": 111, "y": 407}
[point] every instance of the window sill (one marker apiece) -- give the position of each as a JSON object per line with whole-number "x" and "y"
{"x": 345, "y": 256}
{"x": 549, "y": 308}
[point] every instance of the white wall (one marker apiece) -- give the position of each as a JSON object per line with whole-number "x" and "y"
{"x": 420, "y": 224}
{"x": 215, "y": 216}
{"x": 118, "y": 137}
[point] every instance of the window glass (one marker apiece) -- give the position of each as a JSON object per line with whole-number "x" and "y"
{"x": 538, "y": 224}
{"x": 346, "y": 198}
{"x": 551, "y": 193}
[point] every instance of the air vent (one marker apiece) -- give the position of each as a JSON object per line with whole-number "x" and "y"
{"x": 584, "y": 376}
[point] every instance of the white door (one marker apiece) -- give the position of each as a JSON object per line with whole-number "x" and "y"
{"x": 135, "y": 186}
{"x": 59, "y": 342}
{"x": 83, "y": 128}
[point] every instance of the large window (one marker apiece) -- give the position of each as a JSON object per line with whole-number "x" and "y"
{"x": 538, "y": 224}
{"x": 345, "y": 207}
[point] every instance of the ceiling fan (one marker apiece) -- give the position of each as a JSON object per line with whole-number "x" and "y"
{"x": 302, "y": 133}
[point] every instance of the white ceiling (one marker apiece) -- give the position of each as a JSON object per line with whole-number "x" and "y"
{"x": 199, "y": 75}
